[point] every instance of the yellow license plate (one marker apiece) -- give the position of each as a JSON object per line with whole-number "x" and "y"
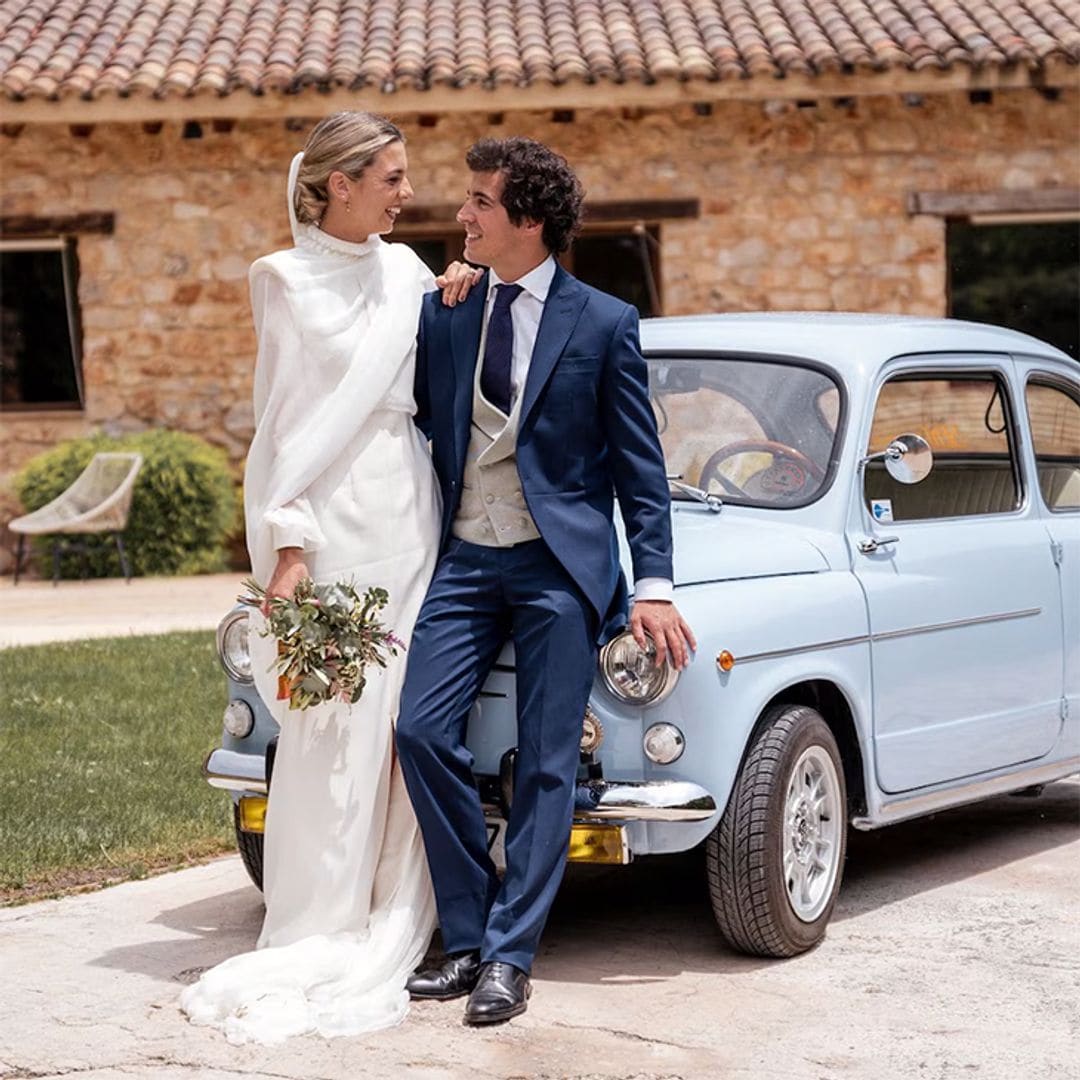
{"x": 599, "y": 844}
{"x": 253, "y": 813}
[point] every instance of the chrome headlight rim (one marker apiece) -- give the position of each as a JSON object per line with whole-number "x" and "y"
{"x": 663, "y": 689}
{"x": 225, "y": 628}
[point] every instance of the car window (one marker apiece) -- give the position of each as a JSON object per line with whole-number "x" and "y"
{"x": 966, "y": 421}
{"x": 749, "y": 430}
{"x": 1054, "y": 414}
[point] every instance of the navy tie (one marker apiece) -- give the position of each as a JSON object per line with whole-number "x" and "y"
{"x": 499, "y": 349}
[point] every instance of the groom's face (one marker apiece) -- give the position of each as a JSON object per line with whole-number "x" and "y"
{"x": 491, "y": 238}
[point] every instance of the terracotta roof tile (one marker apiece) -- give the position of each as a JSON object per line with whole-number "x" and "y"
{"x": 63, "y": 48}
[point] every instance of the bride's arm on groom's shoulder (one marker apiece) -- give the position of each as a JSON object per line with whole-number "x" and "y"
{"x": 456, "y": 282}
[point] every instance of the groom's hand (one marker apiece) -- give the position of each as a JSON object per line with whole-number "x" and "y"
{"x": 669, "y": 631}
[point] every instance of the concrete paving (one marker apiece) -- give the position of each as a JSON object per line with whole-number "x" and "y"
{"x": 34, "y": 612}
{"x": 954, "y": 953}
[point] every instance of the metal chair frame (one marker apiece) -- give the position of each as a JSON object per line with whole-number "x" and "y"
{"x": 97, "y": 503}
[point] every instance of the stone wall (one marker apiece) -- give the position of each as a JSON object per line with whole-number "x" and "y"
{"x": 802, "y": 207}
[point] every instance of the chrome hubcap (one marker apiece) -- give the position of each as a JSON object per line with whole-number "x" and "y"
{"x": 812, "y": 822}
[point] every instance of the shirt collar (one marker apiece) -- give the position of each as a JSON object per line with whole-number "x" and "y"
{"x": 537, "y": 282}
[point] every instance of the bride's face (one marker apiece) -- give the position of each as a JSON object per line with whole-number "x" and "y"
{"x": 382, "y": 191}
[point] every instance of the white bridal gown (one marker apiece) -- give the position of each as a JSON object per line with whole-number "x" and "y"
{"x": 338, "y": 468}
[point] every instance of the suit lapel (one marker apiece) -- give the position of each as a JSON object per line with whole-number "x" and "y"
{"x": 466, "y": 323}
{"x": 562, "y": 309}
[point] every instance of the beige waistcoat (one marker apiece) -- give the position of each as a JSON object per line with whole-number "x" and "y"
{"x": 493, "y": 510}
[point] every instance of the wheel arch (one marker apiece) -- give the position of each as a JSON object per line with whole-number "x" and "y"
{"x": 830, "y": 700}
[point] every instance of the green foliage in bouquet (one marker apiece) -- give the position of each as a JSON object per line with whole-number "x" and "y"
{"x": 327, "y": 636}
{"x": 184, "y": 508}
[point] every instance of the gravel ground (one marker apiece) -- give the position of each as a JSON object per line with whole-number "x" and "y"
{"x": 954, "y": 952}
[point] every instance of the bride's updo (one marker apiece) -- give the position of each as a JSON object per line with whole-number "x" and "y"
{"x": 345, "y": 142}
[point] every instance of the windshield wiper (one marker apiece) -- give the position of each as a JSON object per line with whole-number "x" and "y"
{"x": 709, "y": 498}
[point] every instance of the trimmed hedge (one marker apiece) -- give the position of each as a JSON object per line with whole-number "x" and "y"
{"x": 185, "y": 504}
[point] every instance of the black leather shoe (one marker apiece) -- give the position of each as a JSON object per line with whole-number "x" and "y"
{"x": 502, "y": 991}
{"x": 455, "y": 978}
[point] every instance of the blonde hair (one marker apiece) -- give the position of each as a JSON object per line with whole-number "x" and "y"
{"x": 345, "y": 142}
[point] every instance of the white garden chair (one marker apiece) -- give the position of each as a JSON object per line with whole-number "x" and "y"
{"x": 97, "y": 502}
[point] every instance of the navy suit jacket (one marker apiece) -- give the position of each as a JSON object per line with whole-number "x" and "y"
{"x": 587, "y": 431}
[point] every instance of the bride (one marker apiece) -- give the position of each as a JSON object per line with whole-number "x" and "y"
{"x": 339, "y": 485}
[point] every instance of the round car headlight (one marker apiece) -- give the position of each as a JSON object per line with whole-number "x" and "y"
{"x": 239, "y": 719}
{"x": 631, "y": 673}
{"x": 232, "y": 644}
{"x": 663, "y": 743}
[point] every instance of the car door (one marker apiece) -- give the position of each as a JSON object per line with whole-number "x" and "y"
{"x": 959, "y": 578}
{"x": 1052, "y": 401}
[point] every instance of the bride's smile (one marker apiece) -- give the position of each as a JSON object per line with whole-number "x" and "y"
{"x": 359, "y": 208}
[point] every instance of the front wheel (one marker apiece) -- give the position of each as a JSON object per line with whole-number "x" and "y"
{"x": 776, "y": 857}
{"x": 251, "y": 850}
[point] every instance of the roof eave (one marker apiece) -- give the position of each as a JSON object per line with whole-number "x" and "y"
{"x": 314, "y": 101}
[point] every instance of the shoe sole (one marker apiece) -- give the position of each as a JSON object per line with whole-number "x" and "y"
{"x": 440, "y": 997}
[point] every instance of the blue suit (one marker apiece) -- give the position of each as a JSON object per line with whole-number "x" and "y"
{"x": 586, "y": 433}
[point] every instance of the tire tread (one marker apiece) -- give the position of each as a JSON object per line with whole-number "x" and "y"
{"x": 736, "y": 851}
{"x": 250, "y": 846}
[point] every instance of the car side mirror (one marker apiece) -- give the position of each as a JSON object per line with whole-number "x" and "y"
{"x": 908, "y": 458}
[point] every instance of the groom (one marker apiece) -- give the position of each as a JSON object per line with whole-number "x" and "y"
{"x": 535, "y": 396}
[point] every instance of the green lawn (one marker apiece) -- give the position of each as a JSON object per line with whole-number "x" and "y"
{"x": 101, "y": 744}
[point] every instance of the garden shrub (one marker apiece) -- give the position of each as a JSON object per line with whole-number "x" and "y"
{"x": 184, "y": 508}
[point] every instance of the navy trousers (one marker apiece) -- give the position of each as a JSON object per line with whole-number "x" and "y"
{"x": 479, "y": 597}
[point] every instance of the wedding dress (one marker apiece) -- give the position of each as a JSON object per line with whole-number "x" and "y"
{"x": 336, "y": 467}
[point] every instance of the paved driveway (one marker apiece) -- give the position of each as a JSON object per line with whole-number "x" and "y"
{"x": 955, "y": 953}
{"x": 34, "y": 612}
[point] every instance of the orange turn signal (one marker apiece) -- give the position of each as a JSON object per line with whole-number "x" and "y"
{"x": 724, "y": 660}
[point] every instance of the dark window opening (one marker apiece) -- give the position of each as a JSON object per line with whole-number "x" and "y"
{"x": 622, "y": 261}
{"x": 1024, "y": 276}
{"x": 40, "y": 354}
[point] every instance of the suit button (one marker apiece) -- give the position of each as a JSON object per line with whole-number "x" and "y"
{"x": 489, "y": 498}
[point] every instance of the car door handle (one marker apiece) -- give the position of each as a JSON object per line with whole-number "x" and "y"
{"x": 870, "y": 544}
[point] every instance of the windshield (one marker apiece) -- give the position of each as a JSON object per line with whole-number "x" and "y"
{"x": 756, "y": 432}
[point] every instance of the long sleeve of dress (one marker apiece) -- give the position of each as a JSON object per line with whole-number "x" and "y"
{"x": 281, "y": 406}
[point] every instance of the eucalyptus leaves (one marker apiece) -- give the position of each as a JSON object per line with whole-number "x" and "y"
{"x": 327, "y": 636}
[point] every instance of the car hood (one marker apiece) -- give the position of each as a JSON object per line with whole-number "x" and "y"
{"x": 723, "y": 547}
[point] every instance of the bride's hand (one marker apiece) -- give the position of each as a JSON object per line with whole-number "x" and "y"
{"x": 456, "y": 281}
{"x": 288, "y": 573}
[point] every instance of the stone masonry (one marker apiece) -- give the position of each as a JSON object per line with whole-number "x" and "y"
{"x": 801, "y": 207}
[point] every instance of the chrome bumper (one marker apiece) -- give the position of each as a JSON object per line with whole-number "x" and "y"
{"x": 235, "y": 772}
{"x": 645, "y": 800}
{"x": 594, "y": 800}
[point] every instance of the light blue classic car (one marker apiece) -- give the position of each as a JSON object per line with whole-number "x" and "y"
{"x": 877, "y": 543}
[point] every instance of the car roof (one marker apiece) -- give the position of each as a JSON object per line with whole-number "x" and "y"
{"x": 848, "y": 341}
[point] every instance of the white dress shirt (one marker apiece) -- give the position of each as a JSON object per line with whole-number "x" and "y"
{"x": 525, "y": 314}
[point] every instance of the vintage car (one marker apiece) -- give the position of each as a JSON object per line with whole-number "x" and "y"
{"x": 877, "y": 542}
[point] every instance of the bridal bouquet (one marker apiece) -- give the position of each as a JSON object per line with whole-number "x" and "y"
{"x": 327, "y": 635}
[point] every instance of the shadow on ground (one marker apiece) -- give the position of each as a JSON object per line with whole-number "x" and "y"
{"x": 652, "y": 920}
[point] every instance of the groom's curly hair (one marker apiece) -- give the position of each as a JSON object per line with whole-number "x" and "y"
{"x": 538, "y": 185}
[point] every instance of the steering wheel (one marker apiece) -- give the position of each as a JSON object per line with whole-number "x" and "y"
{"x": 711, "y": 469}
